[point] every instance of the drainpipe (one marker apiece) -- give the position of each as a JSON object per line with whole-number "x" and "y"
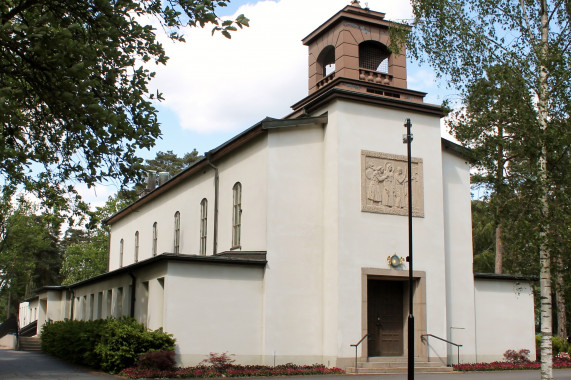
{"x": 208, "y": 156}
{"x": 133, "y": 284}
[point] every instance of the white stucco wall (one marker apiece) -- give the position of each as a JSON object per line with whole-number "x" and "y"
{"x": 459, "y": 258}
{"x": 118, "y": 305}
{"x": 247, "y": 166}
{"x": 27, "y": 312}
{"x": 214, "y": 308}
{"x": 366, "y": 239}
{"x": 293, "y": 286}
{"x": 504, "y": 318}
{"x": 51, "y": 305}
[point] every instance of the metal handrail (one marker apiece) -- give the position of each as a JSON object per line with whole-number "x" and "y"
{"x": 357, "y": 345}
{"x": 444, "y": 340}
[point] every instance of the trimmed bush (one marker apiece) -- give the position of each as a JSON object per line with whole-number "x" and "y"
{"x": 109, "y": 344}
{"x": 73, "y": 341}
{"x": 161, "y": 360}
{"x": 125, "y": 339}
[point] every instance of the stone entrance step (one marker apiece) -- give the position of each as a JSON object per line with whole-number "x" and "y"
{"x": 30, "y": 343}
{"x": 396, "y": 365}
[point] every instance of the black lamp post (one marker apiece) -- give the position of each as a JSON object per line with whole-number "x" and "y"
{"x": 407, "y": 139}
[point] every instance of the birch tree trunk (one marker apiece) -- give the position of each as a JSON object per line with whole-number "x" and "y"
{"x": 544, "y": 255}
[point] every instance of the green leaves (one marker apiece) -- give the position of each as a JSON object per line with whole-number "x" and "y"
{"x": 74, "y": 101}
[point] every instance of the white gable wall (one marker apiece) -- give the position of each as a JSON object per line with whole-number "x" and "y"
{"x": 459, "y": 273}
{"x": 293, "y": 279}
{"x": 366, "y": 239}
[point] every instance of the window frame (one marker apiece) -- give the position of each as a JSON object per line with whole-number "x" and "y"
{"x": 121, "y": 252}
{"x": 236, "y": 215}
{"x": 177, "y": 232}
{"x": 203, "y": 225}
{"x": 137, "y": 246}
{"x": 155, "y": 239}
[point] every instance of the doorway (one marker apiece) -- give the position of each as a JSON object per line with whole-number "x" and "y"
{"x": 385, "y": 317}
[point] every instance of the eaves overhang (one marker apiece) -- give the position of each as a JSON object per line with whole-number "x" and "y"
{"x": 457, "y": 149}
{"x": 504, "y": 277}
{"x": 333, "y": 92}
{"x": 352, "y": 13}
{"x": 251, "y": 258}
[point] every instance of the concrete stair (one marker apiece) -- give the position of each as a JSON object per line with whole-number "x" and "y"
{"x": 395, "y": 365}
{"x": 31, "y": 343}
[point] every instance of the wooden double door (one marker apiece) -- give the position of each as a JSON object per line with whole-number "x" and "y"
{"x": 385, "y": 317}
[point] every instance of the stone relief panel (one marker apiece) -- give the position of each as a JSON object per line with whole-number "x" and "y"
{"x": 384, "y": 184}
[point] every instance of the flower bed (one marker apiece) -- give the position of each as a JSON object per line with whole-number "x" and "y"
{"x": 232, "y": 371}
{"x": 506, "y": 366}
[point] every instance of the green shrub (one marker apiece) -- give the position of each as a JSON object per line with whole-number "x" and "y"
{"x": 110, "y": 344}
{"x": 559, "y": 345}
{"x": 73, "y": 341}
{"x": 124, "y": 340}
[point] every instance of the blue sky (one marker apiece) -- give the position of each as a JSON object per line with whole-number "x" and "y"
{"x": 214, "y": 87}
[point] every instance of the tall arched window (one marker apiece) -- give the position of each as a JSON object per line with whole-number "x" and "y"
{"x": 137, "y": 246}
{"x": 121, "y": 244}
{"x": 177, "y": 232}
{"x": 236, "y": 214}
{"x": 374, "y": 56}
{"x": 203, "y": 225}
{"x": 155, "y": 237}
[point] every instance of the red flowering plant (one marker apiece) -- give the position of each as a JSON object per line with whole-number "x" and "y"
{"x": 221, "y": 365}
{"x": 516, "y": 357}
{"x": 514, "y": 360}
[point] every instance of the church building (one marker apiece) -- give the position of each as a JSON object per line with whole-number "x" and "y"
{"x": 288, "y": 243}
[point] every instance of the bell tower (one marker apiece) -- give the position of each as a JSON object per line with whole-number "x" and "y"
{"x": 350, "y": 53}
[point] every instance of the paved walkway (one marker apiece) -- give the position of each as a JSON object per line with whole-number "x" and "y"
{"x": 36, "y": 365}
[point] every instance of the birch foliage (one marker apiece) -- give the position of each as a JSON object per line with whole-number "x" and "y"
{"x": 510, "y": 62}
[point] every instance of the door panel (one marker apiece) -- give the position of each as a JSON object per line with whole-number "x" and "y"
{"x": 385, "y": 318}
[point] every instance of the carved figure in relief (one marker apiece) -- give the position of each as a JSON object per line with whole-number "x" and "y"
{"x": 401, "y": 188}
{"x": 375, "y": 189}
{"x": 416, "y": 185}
{"x": 385, "y": 181}
{"x": 388, "y": 194}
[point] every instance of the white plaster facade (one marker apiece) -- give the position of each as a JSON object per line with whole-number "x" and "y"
{"x": 296, "y": 287}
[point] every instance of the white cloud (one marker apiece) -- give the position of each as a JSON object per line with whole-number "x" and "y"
{"x": 214, "y": 84}
{"x": 422, "y": 79}
{"x": 97, "y": 195}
